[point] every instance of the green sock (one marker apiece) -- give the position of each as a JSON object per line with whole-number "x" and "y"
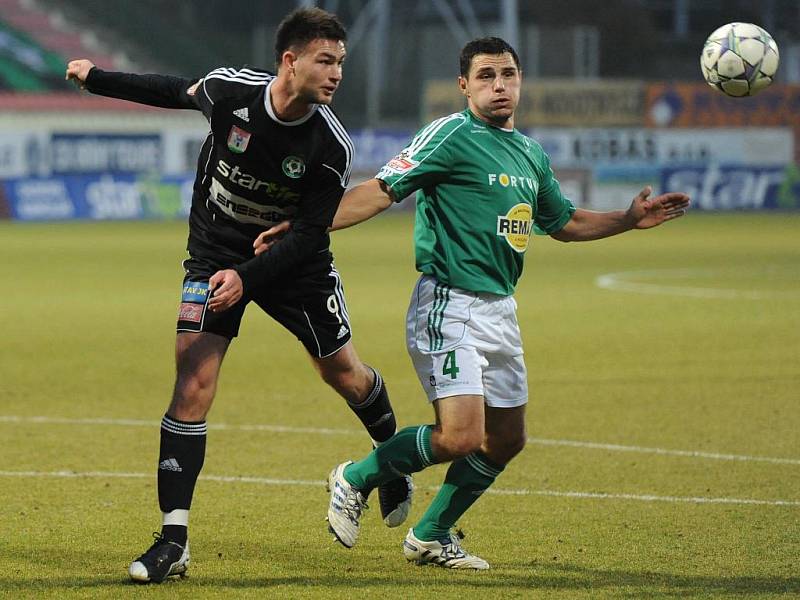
{"x": 467, "y": 478}
{"x": 407, "y": 451}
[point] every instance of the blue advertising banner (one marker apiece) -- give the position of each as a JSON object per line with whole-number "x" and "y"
{"x": 731, "y": 187}
{"x": 39, "y": 199}
{"x": 375, "y": 147}
{"x": 98, "y": 197}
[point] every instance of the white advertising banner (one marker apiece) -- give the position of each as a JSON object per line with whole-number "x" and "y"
{"x": 52, "y": 144}
{"x": 170, "y": 145}
{"x": 589, "y": 148}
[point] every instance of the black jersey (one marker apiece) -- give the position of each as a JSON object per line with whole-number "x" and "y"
{"x": 254, "y": 170}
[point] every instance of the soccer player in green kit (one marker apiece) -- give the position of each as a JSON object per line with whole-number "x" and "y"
{"x": 481, "y": 186}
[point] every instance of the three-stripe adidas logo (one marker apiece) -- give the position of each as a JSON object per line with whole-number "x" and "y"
{"x": 339, "y": 497}
{"x": 343, "y": 331}
{"x": 170, "y": 464}
{"x": 242, "y": 114}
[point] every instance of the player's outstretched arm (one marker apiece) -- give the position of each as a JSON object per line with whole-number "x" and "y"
{"x": 165, "y": 91}
{"x": 362, "y": 202}
{"x": 643, "y": 213}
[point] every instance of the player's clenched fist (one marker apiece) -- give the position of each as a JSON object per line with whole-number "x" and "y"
{"x": 78, "y": 71}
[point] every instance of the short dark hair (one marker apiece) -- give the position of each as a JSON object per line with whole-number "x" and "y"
{"x": 304, "y": 25}
{"x": 486, "y": 45}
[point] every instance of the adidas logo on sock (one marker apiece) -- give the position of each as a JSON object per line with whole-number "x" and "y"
{"x": 343, "y": 331}
{"x": 381, "y": 420}
{"x": 242, "y": 114}
{"x": 169, "y": 464}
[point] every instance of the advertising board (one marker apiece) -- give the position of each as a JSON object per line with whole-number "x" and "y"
{"x": 98, "y": 197}
{"x": 733, "y": 187}
{"x": 598, "y": 147}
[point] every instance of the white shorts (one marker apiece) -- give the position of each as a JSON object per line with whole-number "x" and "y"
{"x": 466, "y": 343}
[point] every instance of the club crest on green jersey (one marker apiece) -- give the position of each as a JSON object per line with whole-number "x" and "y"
{"x": 293, "y": 166}
{"x": 515, "y": 226}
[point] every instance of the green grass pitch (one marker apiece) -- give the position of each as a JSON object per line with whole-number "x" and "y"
{"x": 664, "y": 422}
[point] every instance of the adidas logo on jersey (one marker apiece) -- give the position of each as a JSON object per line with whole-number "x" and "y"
{"x": 242, "y": 114}
{"x": 170, "y": 464}
{"x": 343, "y": 331}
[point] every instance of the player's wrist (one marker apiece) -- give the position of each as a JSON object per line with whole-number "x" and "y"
{"x": 629, "y": 219}
{"x": 244, "y": 276}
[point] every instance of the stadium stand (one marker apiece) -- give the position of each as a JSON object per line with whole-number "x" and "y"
{"x": 25, "y": 65}
{"x": 167, "y": 45}
{"x": 34, "y": 44}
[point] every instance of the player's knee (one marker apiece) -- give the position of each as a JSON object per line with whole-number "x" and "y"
{"x": 342, "y": 380}
{"x": 452, "y": 446}
{"x": 190, "y": 391}
{"x": 353, "y": 382}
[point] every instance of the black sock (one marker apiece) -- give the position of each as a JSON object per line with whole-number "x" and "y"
{"x": 183, "y": 449}
{"x": 175, "y": 533}
{"x": 375, "y": 411}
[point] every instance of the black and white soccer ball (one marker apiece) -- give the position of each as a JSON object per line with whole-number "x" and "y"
{"x": 739, "y": 59}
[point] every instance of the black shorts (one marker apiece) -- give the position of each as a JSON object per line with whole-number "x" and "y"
{"x": 312, "y": 307}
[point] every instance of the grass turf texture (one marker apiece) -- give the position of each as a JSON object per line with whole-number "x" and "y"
{"x": 87, "y": 318}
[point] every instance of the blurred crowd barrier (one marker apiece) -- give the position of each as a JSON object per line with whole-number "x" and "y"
{"x": 68, "y": 156}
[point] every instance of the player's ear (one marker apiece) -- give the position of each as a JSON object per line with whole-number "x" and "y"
{"x": 288, "y": 58}
{"x": 462, "y": 85}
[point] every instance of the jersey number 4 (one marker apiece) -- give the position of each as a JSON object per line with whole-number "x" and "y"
{"x": 450, "y": 367}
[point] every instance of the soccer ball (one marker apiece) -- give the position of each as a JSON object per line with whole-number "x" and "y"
{"x": 739, "y": 59}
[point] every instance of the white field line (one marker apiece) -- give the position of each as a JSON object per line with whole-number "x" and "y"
{"x": 42, "y": 420}
{"x": 621, "y": 282}
{"x": 665, "y": 451}
{"x": 143, "y": 423}
{"x": 499, "y": 491}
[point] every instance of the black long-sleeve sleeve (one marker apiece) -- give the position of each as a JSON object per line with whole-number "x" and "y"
{"x": 165, "y": 91}
{"x": 297, "y": 247}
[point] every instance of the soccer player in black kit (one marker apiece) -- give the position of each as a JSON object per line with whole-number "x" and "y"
{"x": 275, "y": 151}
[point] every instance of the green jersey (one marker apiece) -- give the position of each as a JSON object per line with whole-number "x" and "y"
{"x": 480, "y": 190}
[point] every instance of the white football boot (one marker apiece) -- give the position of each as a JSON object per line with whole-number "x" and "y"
{"x": 446, "y": 553}
{"x": 345, "y": 507}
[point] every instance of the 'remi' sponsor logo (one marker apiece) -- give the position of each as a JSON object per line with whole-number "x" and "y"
{"x": 505, "y": 180}
{"x": 515, "y": 226}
